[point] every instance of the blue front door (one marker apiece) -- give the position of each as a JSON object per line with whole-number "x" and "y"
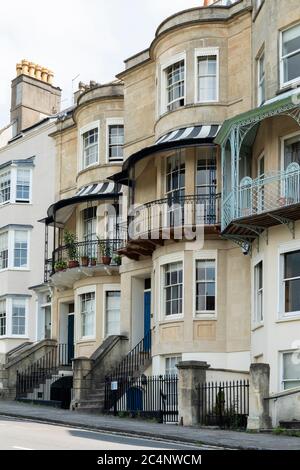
{"x": 147, "y": 319}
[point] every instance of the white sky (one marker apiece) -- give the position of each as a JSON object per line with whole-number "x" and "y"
{"x": 71, "y": 37}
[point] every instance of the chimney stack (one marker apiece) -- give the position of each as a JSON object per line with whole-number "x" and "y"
{"x": 33, "y": 95}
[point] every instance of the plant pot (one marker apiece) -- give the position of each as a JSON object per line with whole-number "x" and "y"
{"x": 93, "y": 262}
{"x": 84, "y": 261}
{"x": 73, "y": 264}
{"x": 106, "y": 260}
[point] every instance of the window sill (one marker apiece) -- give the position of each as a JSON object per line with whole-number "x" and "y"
{"x": 288, "y": 86}
{"x": 172, "y": 318}
{"x": 257, "y": 326}
{"x": 15, "y": 269}
{"x": 86, "y": 339}
{"x": 15, "y": 337}
{"x": 286, "y": 319}
{"x": 205, "y": 316}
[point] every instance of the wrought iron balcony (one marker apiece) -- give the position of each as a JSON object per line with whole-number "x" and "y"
{"x": 264, "y": 201}
{"x": 173, "y": 217}
{"x": 86, "y": 254}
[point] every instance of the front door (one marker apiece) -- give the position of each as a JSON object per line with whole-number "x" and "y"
{"x": 47, "y": 330}
{"x": 70, "y": 337}
{"x": 147, "y": 318}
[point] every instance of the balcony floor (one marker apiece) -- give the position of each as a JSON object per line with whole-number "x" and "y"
{"x": 245, "y": 226}
{"x": 65, "y": 279}
{"x": 146, "y": 244}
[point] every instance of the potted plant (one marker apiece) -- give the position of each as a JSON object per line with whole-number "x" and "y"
{"x": 71, "y": 246}
{"x": 85, "y": 259}
{"x": 93, "y": 261}
{"x": 117, "y": 260}
{"x": 60, "y": 266}
{"x": 105, "y": 251}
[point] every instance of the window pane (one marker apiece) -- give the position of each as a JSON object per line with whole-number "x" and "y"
{"x": 23, "y": 185}
{"x": 87, "y": 314}
{"x": 292, "y": 67}
{"x": 291, "y": 370}
{"x": 291, "y": 151}
{"x": 116, "y": 142}
{"x": 292, "y": 296}
{"x": 18, "y": 316}
{"x": 113, "y": 312}
{"x": 291, "y": 40}
{"x": 5, "y": 187}
{"x": 2, "y": 317}
{"x": 90, "y": 147}
{"x": 3, "y": 250}
{"x": 20, "y": 249}
{"x": 173, "y": 288}
{"x": 292, "y": 264}
{"x": 175, "y": 85}
{"x": 205, "y": 285}
{"x": 207, "y": 78}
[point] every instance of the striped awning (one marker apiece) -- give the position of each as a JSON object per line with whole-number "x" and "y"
{"x": 59, "y": 212}
{"x": 99, "y": 188}
{"x": 193, "y": 132}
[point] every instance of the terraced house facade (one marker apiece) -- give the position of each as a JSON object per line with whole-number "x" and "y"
{"x": 176, "y": 216}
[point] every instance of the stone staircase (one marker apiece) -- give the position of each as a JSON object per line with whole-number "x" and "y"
{"x": 132, "y": 365}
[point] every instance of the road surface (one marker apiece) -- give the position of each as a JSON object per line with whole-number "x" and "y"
{"x": 19, "y": 434}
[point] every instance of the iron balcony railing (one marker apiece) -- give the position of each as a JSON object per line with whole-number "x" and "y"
{"x": 173, "y": 212}
{"x": 273, "y": 191}
{"x": 87, "y": 253}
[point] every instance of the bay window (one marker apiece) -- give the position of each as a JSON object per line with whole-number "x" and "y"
{"x": 87, "y": 312}
{"x": 14, "y": 248}
{"x": 205, "y": 286}
{"x": 15, "y": 184}
{"x": 173, "y": 288}
{"x": 290, "y": 55}
{"x": 13, "y": 316}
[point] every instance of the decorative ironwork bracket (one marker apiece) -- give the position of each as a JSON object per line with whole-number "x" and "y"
{"x": 258, "y": 230}
{"x": 290, "y": 224}
{"x": 245, "y": 243}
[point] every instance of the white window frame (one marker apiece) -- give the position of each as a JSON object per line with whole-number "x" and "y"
{"x": 13, "y": 170}
{"x": 284, "y": 84}
{"x": 202, "y": 255}
{"x": 178, "y": 358}
{"x": 78, "y": 319}
{"x": 168, "y": 259}
{"x": 283, "y": 249}
{"x": 82, "y": 131}
{"x": 113, "y": 122}
{"x": 261, "y": 81}
{"x": 163, "y": 81}
{"x": 108, "y": 288}
{"x": 204, "y": 52}
{"x": 255, "y": 321}
{"x": 11, "y": 249}
{"x": 9, "y": 306}
{"x": 281, "y": 370}
{"x": 282, "y": 141}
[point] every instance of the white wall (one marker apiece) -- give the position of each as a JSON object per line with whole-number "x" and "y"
{"x": 35, "y": 143}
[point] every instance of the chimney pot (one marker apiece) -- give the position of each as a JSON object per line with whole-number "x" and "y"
{"x": 38, "y": 72}
{"x": 32, "y": 69}
{"x": 19, "y": 69}
{"x": 50, "y": 77}
{"x": 25, "y": 64}
{"x": 44, "y": 74}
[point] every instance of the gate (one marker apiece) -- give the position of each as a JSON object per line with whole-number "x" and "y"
{"x": 146, "y": 396}
{"x": 224, "y": 404}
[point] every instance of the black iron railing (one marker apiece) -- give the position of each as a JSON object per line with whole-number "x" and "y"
{"x": 144, "y": 396}
{"x": 135, "y": 359}
{"x": 87, "y": 254}
{"x": 174, "y": 211}
{"x": 224, "y": 404}
{"x": 39, "y": 371}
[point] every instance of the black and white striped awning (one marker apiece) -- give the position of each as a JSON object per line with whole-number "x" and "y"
{"x": 99, "y": 188}
{"x": 192, "y": 132}
{"x": 62, "y": 210}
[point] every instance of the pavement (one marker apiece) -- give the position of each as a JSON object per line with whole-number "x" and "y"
{"x": 21, "y": 434}
{"x": 136, "y": 427}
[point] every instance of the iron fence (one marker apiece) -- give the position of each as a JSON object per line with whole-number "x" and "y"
{"x": 39, "y": 372}
{"x": 147, "y": 397}
{"x": 224, "y": 404}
